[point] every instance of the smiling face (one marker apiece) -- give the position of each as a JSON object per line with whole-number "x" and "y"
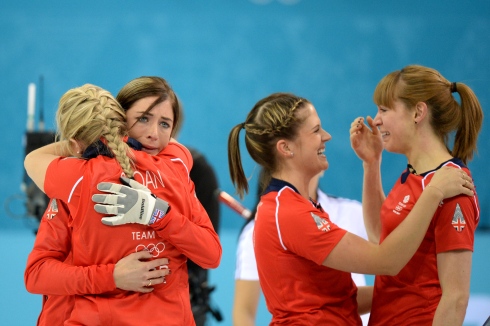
{"x": 309, "y": 146}
{"x": 153, "y": 129}
{"x": 397, "y": 127}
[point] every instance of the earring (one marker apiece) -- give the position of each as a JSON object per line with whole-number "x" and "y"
{"x": 292, "y": 154}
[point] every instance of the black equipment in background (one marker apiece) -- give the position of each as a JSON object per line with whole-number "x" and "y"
{"x": 206, "y": 185}
{"x": 37, "y": 201}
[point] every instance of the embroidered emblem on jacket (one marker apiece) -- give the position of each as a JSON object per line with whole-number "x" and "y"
{"x": 401, "y": 205}
{"x": 53, "y": 209}
{"x": 321, "y": 223}
{"x": 458, "y": 219}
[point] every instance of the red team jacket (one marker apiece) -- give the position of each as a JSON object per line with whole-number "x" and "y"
{"x": 185, "y": 231}
{"x": 412, "y": 296}
{"x": 292, "y": 238}
{"x": 53, "y": 248}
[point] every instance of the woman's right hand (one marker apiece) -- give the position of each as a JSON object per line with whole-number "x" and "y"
{"x": 451, "y": 181}
{"x": 136, "y": 272}
{"x": 366, "y": 140}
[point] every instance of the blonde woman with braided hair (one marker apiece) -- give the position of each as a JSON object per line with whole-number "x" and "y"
{"x": 303, "y": 259}
{"x": 164, "y": 231}
{"x": 416, "y": 113}
{"x": 98, "y": 115}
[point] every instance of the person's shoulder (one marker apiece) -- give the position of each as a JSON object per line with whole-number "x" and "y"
{"x": 100, "y": 163}
{"x": 179, "y": 154}
{"x": 69, "y": 165}
{"x": 284, "y": 194}
{"x": 291, "y": 203}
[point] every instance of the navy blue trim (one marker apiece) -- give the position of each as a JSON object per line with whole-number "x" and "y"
{"x": 134, "y": 144}
{"x": 276, "y": 185}
{"x": 99, "y": 148}
{"x": 407, "y": 172}
{"x": 96, "y": 149}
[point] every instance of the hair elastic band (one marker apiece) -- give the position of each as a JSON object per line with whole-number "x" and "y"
{"x": 453, "y": 88}
{"x": 242, "y": 126}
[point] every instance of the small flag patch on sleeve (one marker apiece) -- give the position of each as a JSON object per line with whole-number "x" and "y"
{"x": 458, "y": 219}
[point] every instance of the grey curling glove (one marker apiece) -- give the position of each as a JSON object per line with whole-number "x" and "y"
{"x": 129, "y": 202}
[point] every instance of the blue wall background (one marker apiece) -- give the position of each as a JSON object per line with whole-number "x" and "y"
{"x": 221, "y": 57}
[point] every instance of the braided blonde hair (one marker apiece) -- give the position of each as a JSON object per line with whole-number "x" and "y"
{"x": 89, "y": 113}
{"x": 272, "y": 118}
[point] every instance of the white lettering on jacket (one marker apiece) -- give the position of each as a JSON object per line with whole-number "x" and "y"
{"x": 143, "y": 235}
{"x": 150, "y": 178}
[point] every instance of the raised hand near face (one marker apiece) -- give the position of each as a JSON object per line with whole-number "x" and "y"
{"x": 366, "y": 140}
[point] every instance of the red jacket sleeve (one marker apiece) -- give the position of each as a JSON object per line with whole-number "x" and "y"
{"x": 195, "y": 237}
{"x": 176, "y": 151}
{"x": 49, "y": 270}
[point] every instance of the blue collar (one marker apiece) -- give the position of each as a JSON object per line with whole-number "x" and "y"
{"x": 99, "y": 148}
{"x": 277, "y": 184}
{"x": 410, "y": 169}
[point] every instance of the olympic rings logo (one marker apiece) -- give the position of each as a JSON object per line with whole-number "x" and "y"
{"x": 154, "y": 249}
